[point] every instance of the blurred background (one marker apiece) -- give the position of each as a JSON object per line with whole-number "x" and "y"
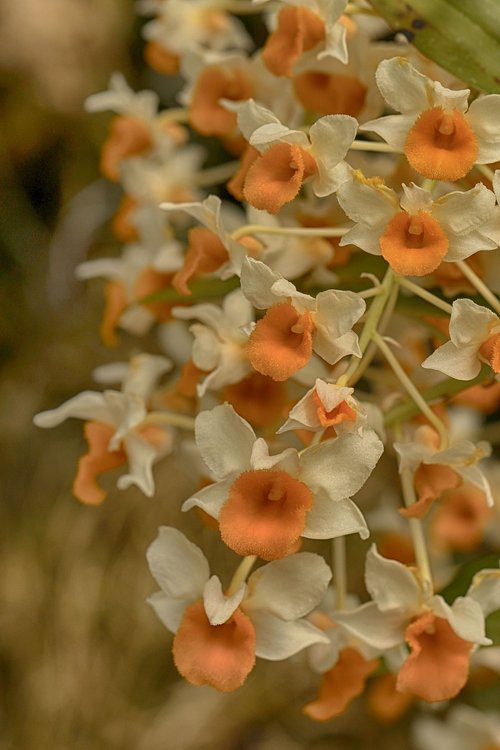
{"x": 84, "y": 662}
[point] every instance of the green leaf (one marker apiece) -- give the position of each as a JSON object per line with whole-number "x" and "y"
{"x": 200, "y": 290}
{"x": 464, "y": 576}
{"x": 463, "y": 36}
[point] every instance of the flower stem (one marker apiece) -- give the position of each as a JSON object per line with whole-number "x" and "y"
{"x": 289, "y": 231}
{"x": 241, "y": 573}
{"x": 374, "y": 314}
{"x": 339, "y": 571}
{"x": 416, "y": 529}
{"x": 373, "y": 146}
{"x": 216, "y": 175}
{"x": 169, "y": 418}
{"x": 411, "y": 390}
{"x": 481, "y": 287}
{"x": 424, "y": 294}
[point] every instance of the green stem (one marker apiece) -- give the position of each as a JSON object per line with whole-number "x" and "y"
{"x": 481, "y": 287}
{"x": 446, "y": 389}
{"x": 374, "y": 314}
{"x": 339, "y": 571}
{"x": 424, "y": 294}
{"x": 241, "y": 573}
{"x": 411, "y": 390}
{"x": 289, "y": 231}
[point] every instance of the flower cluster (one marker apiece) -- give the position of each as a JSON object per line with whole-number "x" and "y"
{"x": 316, "y": 334}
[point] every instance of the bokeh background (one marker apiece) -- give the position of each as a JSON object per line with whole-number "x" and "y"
{"x": 84, "y": 663}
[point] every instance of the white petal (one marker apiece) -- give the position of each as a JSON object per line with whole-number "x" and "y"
{"x": 392, "y": 128}
{"x": 289, "y": 588}
{"x": 365, "y": 238}
{"x": 461, "y": 363}
{"x": 170, "y": 611}
{"x": 225, "y": 440}
{"x": 329, "y": 519}
{"x": 143, "y": 374}
{"x": 338, "y": 310}
{"x": 372, "y": 206}
{"x": 287, "y": 460}
{"x": 211, "y": 498}
{"x": 256, "y": 282}
{"x": 331, "y": 137}
{"x": 277, "y": 639}
{"x": 402, "y": 86}
{"x": 88, "y": 405}
{"x": 219, "y": 607}
{"x": 390, "y": 584}
{"x": 273, "y": 132}
{"x": 465, "y": 617}
{"x": 485, "y": 590}
{"x": 469, "y": 322}
{"x": 207, "y": 212}
{"x": 483, "y": 116}
{"x": 141, "y": 457}
{"x": 382, "y": 630}
{"x": 179, "y": 566}
{"x": 341, "y": 466}
{"x": 462, "y": 212}
{"x": 252, "y": 116}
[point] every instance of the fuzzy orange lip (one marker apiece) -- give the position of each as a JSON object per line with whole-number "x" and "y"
{"x": 258, "y": 398}
{"x": 438, "y": 666}
{"x": 340, "y": 413}
{"x": 218, "y": 655}
{"x": 430, "y": 480}
{"x": 97, "y": 460}
{"x": 461, "y": 518}
{"x": 441, "y": 145}
{"x": 281, "y": 343}
{"x": 276, "y": 177}
{"x": 206, "y": 115}
{"x": 340, "y": 685}
{"x": 298, "y": 30}
{"x": 161, "y": 59}
{"x": 128, "y": 137}
{"x": 413, "y": 245}
{"x": 490, "y": 350}
{"x": 330, "y": 94}
{"x": 205, "y": 254}
{"x": 265, "y": 513}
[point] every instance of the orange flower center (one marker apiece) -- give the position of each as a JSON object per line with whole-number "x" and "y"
{"x": 340, "y": 413}
{"x": 460, "y": 520}
{"x": 128, "y": 137}
{"x": 490, "y": 350}
{"x": 341, "y": 685}
{"x": 161, "y": 59}
{"x": 218, "y": 655}
{"x": 206, "y": 115}
{"x": 413, "y": 245}
{"x": 281, "y": 343}
{"x": 441, "y": 145}
{"x": 97, "y": 460}
{"x": 259, "y": 399}
{"x": 430, "y": 481}
{"x": 277, "y": 176}
{"x": 298, "y": 30}
{"x": 265, "y": 513}
{"x": 330, "y": 94}
{"x": 205, "y": 254}
{"x": 438, "y": 666}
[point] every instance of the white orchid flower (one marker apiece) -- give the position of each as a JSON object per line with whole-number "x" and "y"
{"x": 474, "y": 339}
{"x": 220, "y": 339}
{"x": 297, "y": 324}
{"x": 119, "y": 429}
{"x": 265, "y": 503}
{"x": 415, "y": 233}
{"x": 217, "y": 634}
{"x": 441, "y": 135}
{"x": 404, "y": 609}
